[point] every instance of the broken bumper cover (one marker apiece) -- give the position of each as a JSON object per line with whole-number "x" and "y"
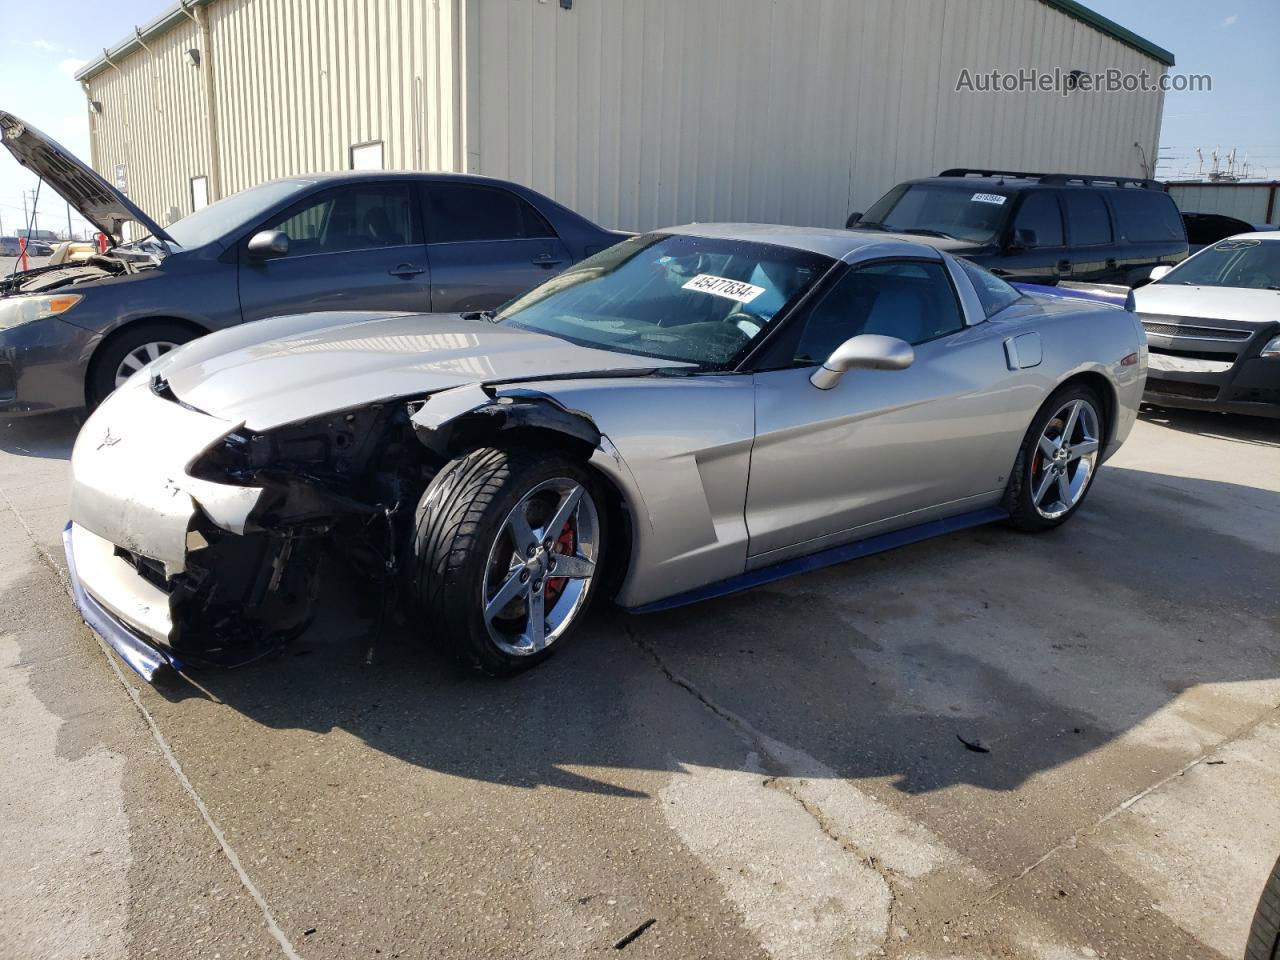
{"x": 128, "y": 613}
{"x": 133, "y": 503}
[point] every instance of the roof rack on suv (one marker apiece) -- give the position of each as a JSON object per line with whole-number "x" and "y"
{"x": 1012, "y": 174}
{"x": 1058, "y": 179}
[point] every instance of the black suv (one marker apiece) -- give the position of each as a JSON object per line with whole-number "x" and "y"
{"x": 1038, "y": 227}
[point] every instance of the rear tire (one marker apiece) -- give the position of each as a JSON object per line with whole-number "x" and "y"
{"x": 486, "y": 556}
{"x": 1054, "y": 473}
{"x": 129, "y": 350}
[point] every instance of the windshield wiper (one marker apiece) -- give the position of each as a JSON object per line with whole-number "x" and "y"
{"x": 922, "y": 232}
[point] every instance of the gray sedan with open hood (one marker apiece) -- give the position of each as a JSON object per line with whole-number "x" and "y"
{"x": 376, "y": 240}
{"x": 688, "y": 413}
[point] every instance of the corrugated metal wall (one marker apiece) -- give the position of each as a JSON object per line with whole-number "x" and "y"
{"x": 637, "y": 113}
{"x": 640, "y": 114}
{"x": 301, "y": 81}
{"x": 152, "y": 121}
{"x": 1245, "y": 201}
{"x": 297, "y": 83}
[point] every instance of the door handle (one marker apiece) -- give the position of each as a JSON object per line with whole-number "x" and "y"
{"x": 547, "y": 260}
{"x": 1111, "y": 263}
{"x": 1064, "y": 266}
{"x": 407, "y": 270}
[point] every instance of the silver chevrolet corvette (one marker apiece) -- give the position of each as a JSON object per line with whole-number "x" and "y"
{"x": 689, "y": 413}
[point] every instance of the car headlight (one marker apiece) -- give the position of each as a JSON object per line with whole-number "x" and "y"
{"x": 16, "y": 311}
{"x": 1272, "y": 349}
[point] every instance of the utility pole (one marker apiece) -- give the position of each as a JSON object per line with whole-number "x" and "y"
{"x": 68, "y": 221}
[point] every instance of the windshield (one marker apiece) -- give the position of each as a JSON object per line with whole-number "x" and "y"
{"x": 940, "y": 210}
{"x": 679, "y": 298}
{"x": 1231, "y": 263}
{"x": 240, "y": 209}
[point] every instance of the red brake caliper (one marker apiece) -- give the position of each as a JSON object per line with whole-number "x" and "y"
{"x": 566, "y": 545}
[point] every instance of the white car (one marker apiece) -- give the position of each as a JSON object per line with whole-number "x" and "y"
{"x": 1213, "y": 328}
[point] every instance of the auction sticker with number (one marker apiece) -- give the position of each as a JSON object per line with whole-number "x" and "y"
{"x": 988, "y": 198}
{"x": 724, "y": 287}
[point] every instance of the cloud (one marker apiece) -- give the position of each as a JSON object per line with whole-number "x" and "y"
{"x": 1230, "y": 21}
{"x": 71, "y": 65}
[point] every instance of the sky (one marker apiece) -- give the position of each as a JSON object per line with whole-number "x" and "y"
{"x": 1234, "y": 41}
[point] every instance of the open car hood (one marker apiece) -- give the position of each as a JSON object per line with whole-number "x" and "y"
{"x": 97, "y": 201}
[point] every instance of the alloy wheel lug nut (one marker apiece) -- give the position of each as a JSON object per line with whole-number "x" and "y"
{"x": 532, "y": 552}
{"x": 537, "y": 585}
{"x": 524, "y": 576}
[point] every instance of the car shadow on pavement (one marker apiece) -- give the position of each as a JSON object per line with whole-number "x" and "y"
{"x": 48, "y": 436}
{"x": 1038, "y": 649}
{"x": 1257, "y": 430}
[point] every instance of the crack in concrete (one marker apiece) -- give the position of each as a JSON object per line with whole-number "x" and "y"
{"x": 131, "y": 691}
{"x": 776, "y": 781}
{"x": 1072, "y": 840}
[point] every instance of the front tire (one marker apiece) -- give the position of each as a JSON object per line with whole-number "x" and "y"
{"x": 507, "y": 545}
{"x": 1057, "y": 461}
{"x": 129, "y": 351}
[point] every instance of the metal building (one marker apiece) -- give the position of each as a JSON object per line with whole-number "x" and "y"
{"x": 1252, "y": 202}
{"x": 637, "y": 113}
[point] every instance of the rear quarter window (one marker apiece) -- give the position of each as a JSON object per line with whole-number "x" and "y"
{"x": 1146, "y": 216}
{"x": 993, "y": 293}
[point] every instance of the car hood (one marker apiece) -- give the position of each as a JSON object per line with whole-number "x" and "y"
{"x": 1211, "y": 303}
{"x": 97, "y": 201}
{"x": 279, "y": 371}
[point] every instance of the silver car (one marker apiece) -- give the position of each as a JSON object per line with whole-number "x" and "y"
{"x": 688, "y": 413}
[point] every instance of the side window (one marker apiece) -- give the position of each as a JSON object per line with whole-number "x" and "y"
{"x": 993, "y": 292}
{"x": 350, "y": 218}
{"x": 910, "y": 299}
{"x": 464, "y": 212}
{"x": 1087, "y": 217}
{"x": 1145, "y": 216}
{"x": 1040, "y": 218}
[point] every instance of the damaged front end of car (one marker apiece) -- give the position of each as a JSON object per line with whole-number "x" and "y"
{"x": 197, "y": 541}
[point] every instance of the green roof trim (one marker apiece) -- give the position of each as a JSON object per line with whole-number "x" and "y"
{"x": 1112, "y": 29}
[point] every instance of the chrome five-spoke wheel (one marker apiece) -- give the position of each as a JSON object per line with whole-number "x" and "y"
{"x": 139, "y": 357}
{"x": 1065, "y": 458}
{"x": 540, "y": 566}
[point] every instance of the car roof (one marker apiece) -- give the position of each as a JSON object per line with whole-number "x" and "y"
{"x": 346, "y": 175}
{"x": 834, "y": 243}
{"x": 1272, "y": 235}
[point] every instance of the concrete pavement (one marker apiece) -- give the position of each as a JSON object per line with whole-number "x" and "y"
{"x": 778, "y": 774}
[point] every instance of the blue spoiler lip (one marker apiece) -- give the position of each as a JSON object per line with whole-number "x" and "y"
{"x": 829, "y": 557}
{"x": 145, "y": 659}
{"x": 1072, "y": 293}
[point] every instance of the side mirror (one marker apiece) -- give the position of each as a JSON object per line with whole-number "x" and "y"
{"x": 867, "y": 351}
{"x": 269, "y": 243}
{"x": 1157, "y": 272}
{"x": 853, "y": 220}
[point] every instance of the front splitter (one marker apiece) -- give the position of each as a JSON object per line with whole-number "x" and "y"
{"x": 143, "y": 657}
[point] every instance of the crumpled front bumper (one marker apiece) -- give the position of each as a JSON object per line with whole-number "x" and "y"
{"x": 122, "y": 589}
{"x": 131, "y": 498}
